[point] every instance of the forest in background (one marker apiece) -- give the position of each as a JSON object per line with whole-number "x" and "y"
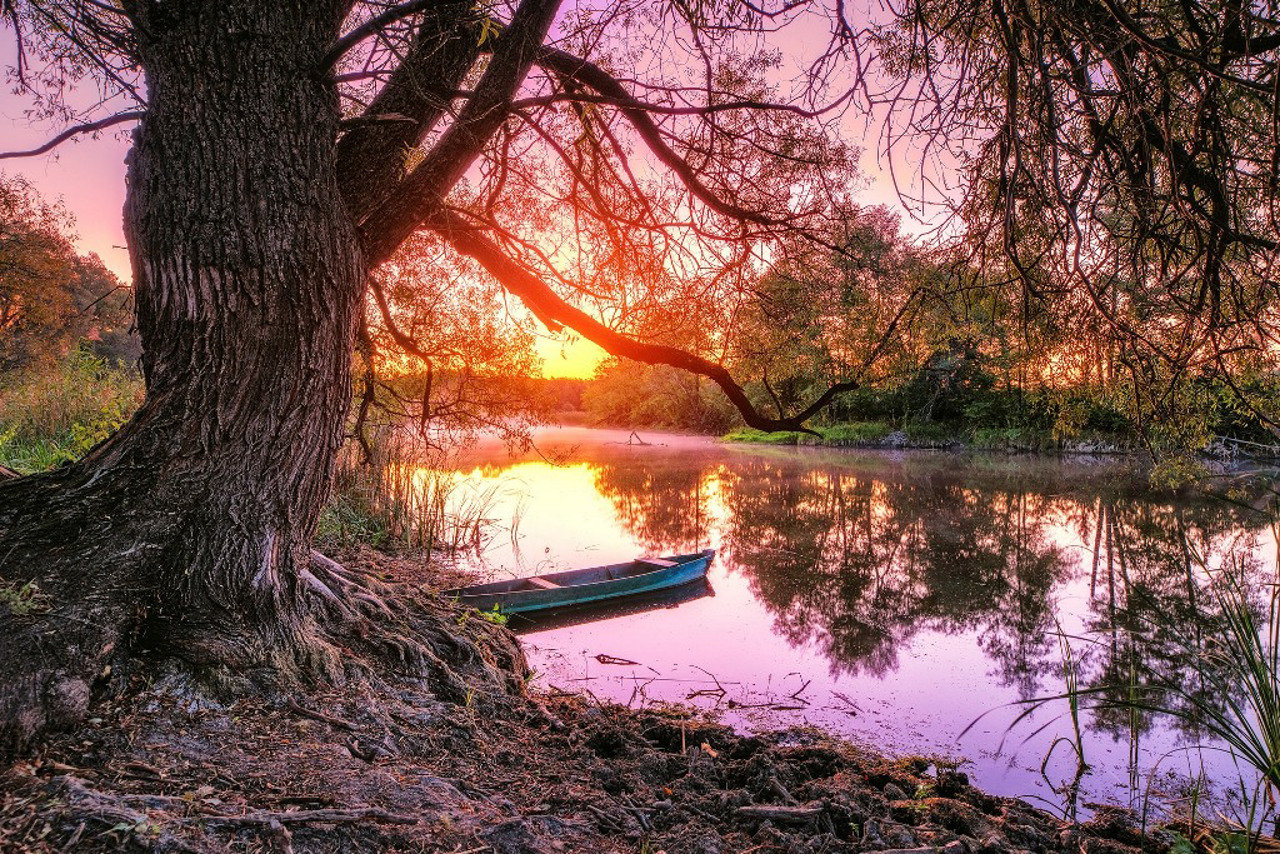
{"x": 972, "y": 361}
{"x": 68, "y": 353}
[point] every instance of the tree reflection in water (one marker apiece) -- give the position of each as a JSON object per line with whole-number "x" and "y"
{"x": 664, "y": 505}
{"x": 858, "y": 559}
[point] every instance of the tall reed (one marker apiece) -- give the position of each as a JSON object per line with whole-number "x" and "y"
{"x": 406, "y": 493}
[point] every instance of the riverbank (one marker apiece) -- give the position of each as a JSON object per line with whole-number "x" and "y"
{"x": 878, "y": 435}
{"x": 472, "y": 760}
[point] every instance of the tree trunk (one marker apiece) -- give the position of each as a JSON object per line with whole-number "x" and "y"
{"x": 189, "y": 530}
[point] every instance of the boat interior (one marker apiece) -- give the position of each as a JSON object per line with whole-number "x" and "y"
{"x": 639, "y": 566}
{"x": 576, "y": 577}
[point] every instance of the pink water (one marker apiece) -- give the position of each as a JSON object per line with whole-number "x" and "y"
{"x": 894, "y": 598}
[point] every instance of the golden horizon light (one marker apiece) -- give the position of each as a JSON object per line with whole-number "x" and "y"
{"x": 569, "y": 357}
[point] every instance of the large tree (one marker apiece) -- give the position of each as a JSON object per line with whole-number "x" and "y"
{"x": 283, "y": 152}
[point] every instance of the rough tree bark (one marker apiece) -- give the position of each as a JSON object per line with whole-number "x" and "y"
{"x": 189, "y": 530}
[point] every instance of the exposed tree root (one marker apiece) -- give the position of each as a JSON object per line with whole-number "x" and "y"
{"x": 164, "y": 773}
{"x": 79, "y": 633}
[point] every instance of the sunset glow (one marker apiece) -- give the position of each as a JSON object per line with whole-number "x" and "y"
{"x": 624, "y": 426}
{"x": 573, "y": 358}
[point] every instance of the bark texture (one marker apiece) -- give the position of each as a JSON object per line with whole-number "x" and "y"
{"x": 188, "y": 531}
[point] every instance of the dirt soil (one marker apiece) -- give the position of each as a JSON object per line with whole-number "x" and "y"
{"x": 385, "y": 764}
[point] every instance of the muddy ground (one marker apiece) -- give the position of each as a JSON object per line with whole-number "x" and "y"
{"x": 391, "y": 763}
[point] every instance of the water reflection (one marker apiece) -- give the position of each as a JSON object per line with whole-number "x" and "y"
{"x": 663, "y": 506}
{"x": 529, "y": 623}
{"x": 856, "y": 559}
{"x": 860, "y": 563}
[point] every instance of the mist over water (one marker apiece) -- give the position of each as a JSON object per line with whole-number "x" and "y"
{"x": 895, "y": 598}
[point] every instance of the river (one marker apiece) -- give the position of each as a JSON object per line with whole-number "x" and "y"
{"x": 907, "y": 600}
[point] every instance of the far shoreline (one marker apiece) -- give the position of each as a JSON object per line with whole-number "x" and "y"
{"x": 877, "y": 436}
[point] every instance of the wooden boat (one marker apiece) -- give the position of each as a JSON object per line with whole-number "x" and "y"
{"x": 580, "y": 586}
{"x": 532, "y": 622}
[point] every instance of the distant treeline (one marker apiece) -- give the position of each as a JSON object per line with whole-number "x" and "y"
{"x": 955, "y": 396}
{"x": 68, "y": 352}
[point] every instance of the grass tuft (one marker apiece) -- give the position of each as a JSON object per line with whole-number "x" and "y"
{"x": 856, "y": 431}
{"x": 406, "y": 496}
{"x": 760, "y": 437}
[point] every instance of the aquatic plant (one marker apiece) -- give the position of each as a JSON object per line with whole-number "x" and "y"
{"x": 404, "y": 492}
{"x": 1231, "y": 694}
{"x": 1236, "y": 693}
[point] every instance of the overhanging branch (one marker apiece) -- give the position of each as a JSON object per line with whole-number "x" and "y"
{"x": 368, "y": 28}
{"x": 594, "y": 77}
{"x": 547, "y": 305}
{"x": 391, "y": 223}
{"x": 371, "y": 154}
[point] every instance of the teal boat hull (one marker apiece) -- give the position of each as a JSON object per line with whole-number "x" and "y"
{"x": 532, "y": 622}
{"x": 583, "y": 586}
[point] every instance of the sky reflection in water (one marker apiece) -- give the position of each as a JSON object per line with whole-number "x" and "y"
{"x": 898, "y": 597}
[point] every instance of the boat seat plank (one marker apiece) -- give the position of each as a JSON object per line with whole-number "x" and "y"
{"x": 543, "y": 583}
{"x": 656, "y": 561}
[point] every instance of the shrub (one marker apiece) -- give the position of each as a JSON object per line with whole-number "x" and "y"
{"x": 52, "y": 414}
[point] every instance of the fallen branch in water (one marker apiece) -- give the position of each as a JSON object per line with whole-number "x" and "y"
{"x": 718, "y": 692}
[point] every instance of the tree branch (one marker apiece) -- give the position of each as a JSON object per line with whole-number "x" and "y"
{"x": 368, "y": 28}
{"x": 594, "y": 77}
{"x": 547, "y": 305}
{"x": 88, "y": 127}
{"x": 630, "y": 102}
{"x": 371, "y": 155}
{"x": 514, "y": 54}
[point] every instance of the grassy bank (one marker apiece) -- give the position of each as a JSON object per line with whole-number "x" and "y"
{"x": 402, "y": 500}
{"x": 915, "y": 434}
{"x": 53, "y": 413}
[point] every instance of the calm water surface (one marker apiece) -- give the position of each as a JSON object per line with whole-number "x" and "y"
{"x": 894, "y": 598}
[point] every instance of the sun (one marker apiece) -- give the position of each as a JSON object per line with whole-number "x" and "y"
{"x": 568, "y": 356}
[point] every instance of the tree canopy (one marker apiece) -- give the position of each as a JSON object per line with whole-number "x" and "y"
{"x": 614, "y": 167}
{"x": 1118, "y": 161}
{"x": 50, "y": 297}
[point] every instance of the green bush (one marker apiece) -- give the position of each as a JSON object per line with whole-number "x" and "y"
{"x": 53, "y": 413}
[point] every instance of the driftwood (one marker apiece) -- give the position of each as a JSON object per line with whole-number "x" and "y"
{"x": 328, "y": 816}
{"x": 778, "y": 813}
{"x": 7, "y": 473}
{"x": 633, "y": 439}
